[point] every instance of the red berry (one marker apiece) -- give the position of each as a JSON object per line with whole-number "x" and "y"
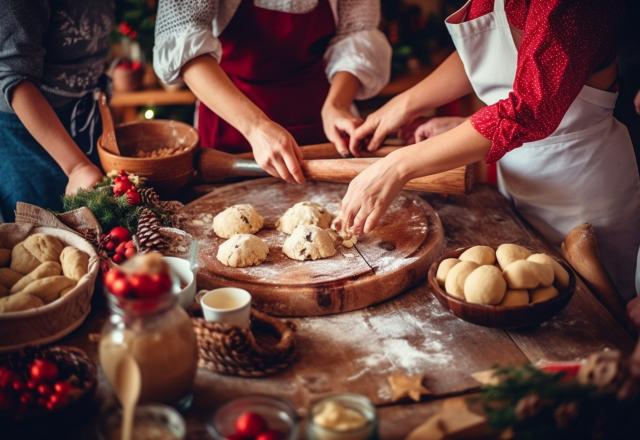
{"x": 58, "y": 400}
{"x": 250, "y": 424}
{"x": 7, "y": 377}
{"x": 121, "y": 248}
{"x": 42, "y": 370}
{"x": 121, "y": 287}
{"x": 62, "y": 388}
{"x": 44, "y": 390}
{"x": 133, "y": 197}
{"x": 117, "y": 258}
{"x": 271, "y": 434}
{"x": 17, "y": 385}
{"x": 144, "y": 286}
{"x": 129, "y": 252}
{"x": 26, "y": 399}
{"x": 109, "y": 245}
{"x": 130, "y": 244}
{"x": 32, "y": 385}
{"x": 111, "y": 276}
{"x": 162, "y": 281}
{"x": 50, "y": 406}
{"x": 120, "y": 234}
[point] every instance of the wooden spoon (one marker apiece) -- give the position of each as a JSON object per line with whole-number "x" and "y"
{"x": 127, "y": 385}
{"x": 108, "y": 129}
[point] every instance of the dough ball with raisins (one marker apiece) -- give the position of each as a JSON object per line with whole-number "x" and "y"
{"x": 242, "y": 250}
{"x": 304, "y": 213}
{"x": 237, "y": 219}
{"x": 309, "y": 242}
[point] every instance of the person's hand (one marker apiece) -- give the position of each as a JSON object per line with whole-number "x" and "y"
{"x": 369, "y": 195}
{"x": 636, "y": 102}
{"x": 276, "y": 151}
{"x": 435, "y": 126}
{"x": 339, "y": 125}
{"x": 386, "y": 120}
{"x": 83, "y": 176}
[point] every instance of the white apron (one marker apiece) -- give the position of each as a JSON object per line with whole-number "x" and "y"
{"x": 584, "y": 172}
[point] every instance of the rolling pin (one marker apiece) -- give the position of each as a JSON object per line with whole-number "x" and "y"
{"x": 214, "y": 166}
{"x": 328, "y": 151}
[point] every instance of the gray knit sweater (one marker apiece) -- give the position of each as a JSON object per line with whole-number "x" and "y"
{"x": 60, "y": 45}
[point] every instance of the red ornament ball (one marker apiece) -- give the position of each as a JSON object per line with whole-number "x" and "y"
{"x": 42, "y": 370}
{"x": 271, "y": 434}
{"x": 120, "y": 287}
{"x": 120, "y": 234}
{"x": 133, "y": 197}
{"x": 250, "y": 424}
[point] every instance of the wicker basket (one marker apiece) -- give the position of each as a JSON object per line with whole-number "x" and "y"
{"x": 54, "y": 320}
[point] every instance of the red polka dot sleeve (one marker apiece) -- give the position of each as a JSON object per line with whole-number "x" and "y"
{"x": 563, "y": 43}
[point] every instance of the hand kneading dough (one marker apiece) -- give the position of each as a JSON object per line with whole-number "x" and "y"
{"x": 444, "y": 268}
{"x": 22, "y": 260}
{"x": 508, "y": 253}
{"x": 75, "y": 263}
{"x": 304, "y": 213}
{"x": 482, "y": 255}
{"x": 543, "y": 294}
{"x": 454, "y": 283}
{"x": 242, "y": 250}
{"x": 18, "y": 302}
{"x": 237, "y": 219}
{"x": 515, "y": 298}
{"x": 308, "y": 242}
{"x": 47, "y": 289}
{"x": 485, "y": 285}
{"x": 9, "y": 277}
{"x": 561, "y": 275}
{"x": 43, "y": 247}
{"x": 523, "y": 274}
{"x": 46, "y": 269}
{"x": 5, "y": 257}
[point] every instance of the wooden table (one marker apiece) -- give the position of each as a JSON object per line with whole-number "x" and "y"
{"x": 411, "y": 333}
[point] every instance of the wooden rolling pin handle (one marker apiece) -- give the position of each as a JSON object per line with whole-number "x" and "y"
{"x": 214, "y": 166}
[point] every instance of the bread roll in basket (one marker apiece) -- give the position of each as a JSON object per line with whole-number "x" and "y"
{"x": 52, "y": 321}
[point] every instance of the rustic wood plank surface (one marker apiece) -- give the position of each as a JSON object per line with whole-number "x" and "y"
{"x": 411, "y": 333}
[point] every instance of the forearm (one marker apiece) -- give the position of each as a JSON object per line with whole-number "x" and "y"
{"x": 212, "y": 86}
{"x": 40, "y": 120}
{"x": 459, "y": 146}
{"x": 343, "y": 90}
{"x": 446, "y": 83}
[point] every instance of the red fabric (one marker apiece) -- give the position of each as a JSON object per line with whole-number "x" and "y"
{"x": 563, "y": 43}
{"x": 276, "y": 59}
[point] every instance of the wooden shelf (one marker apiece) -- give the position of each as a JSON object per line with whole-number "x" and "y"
{"x": 152, "y": 97}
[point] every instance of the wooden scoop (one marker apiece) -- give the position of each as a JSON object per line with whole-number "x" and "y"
{"x": 108, "y": 129}
{"x": 214, "y": 166}
{"x": 127, "y": 386}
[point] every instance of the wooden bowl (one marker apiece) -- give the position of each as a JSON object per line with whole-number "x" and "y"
{"x": 501, "y": 316}
{"x": 52, "y": 321}
{"x": 166, "y": 174}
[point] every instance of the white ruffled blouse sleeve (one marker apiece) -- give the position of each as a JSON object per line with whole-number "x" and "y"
{"x": 359, "y": 47}
{"x": 184, "y": 30}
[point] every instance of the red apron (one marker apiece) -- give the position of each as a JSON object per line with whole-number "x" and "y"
{"x": 275, "y": 59}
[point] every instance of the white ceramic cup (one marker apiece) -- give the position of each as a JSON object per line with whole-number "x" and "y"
{"x": 228, "y": 305}
{"x": 183, "y": 270}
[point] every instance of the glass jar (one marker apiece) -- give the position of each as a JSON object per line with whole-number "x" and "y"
{"x": 150, "y": 422}
{"x": 349, "y": 401}
{"x": 159, "y": 335}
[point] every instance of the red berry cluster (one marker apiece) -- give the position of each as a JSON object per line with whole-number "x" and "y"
{"x": 252, "y": 426}
{"x": 127, "y": 30}
{"x": 137, "y": 285}
{"x": 40, "y": 388}
{"x": 118, "y": 245}
{"x": 122, "y": 186}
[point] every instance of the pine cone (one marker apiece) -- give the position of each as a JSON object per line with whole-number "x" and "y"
{"x": 148, "y": 234}
{"x": 528, "y": 407}
{"x": 149, "y": 196}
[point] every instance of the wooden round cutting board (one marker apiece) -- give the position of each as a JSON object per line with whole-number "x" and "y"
{"x": 385, "y": 262}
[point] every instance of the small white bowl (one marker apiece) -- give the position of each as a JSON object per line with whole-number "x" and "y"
{"x": 228, "y": 305}
{"x": 182, "y": 269}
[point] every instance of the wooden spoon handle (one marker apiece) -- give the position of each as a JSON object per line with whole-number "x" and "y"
{"x": 108, "y": 128}
{"x": 328, "y": 151}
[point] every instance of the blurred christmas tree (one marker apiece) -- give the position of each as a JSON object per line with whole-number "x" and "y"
{"x": 136, "y": 21}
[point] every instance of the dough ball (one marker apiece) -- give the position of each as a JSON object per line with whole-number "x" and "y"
{"x": 23, "y": 261}
{"x": 485, "y": 285}
{"x": 46, "y": 269}
{"x": 514, "y": 298}
{"x": 481, "y": 255}
{"x": 5, "y": 257}
{"x": 19, "y": 302}
{"x": 8, "y": 277}
{"x": 444, "y": 268}
{"x": 243, "y": 250}
{"x": 543, "y": 294}
{"x": 560, "y": 274}
{"x": 523, "y": 274}
{"x": 308, "y": 242}
{"x": 454, "y": 282}
{"x": 304, "y": 213}
{"x": 237, "y": 219}
{"x": 44, "y": 247}
{"x": 75, "y": 263}
{"x": 508, "y": 253}
{"x": 47, "y": 289}
{"x": 347, "y": 238}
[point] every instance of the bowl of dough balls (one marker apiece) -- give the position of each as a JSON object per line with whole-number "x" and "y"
{"x": 47, "y": 279}
{"x": 506, "y": 287}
